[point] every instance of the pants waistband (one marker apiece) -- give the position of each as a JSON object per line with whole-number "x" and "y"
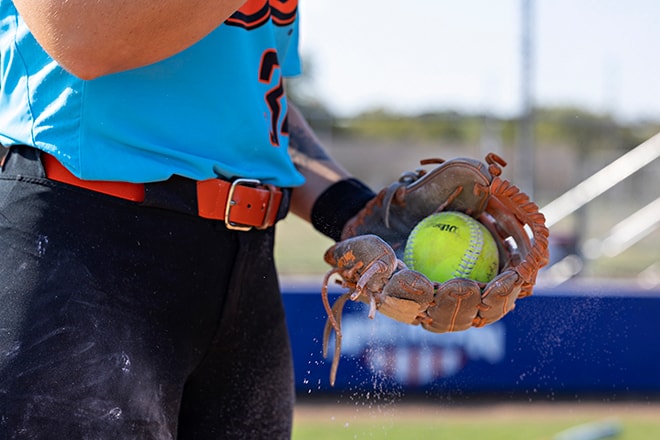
{"x": 242, "y": 204}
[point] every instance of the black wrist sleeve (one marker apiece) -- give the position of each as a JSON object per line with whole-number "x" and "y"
{"x": 338, "y": 204}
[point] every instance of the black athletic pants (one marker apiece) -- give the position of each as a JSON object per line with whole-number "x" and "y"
{"x": 119, "y": 321}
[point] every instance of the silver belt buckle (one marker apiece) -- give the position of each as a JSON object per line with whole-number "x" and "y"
{"x": 231, "y": 202}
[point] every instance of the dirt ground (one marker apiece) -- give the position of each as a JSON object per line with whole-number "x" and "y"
{"x": 490, "y": 410}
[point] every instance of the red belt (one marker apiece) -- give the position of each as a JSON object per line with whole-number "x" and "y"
{"x": 242, "y": 204}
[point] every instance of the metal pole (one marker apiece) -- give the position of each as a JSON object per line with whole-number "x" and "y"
{"x": 526, "y": 157}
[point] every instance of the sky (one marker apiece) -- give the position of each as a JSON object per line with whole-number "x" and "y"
{"x": 424, "y": 55}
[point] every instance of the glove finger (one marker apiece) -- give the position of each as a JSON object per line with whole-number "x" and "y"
{"x": 456, "y": 306}
{"x": 498, "y": 298}
{"x": 406, "y": 296}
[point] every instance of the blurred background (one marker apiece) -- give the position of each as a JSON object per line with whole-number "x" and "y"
{"x": 564, "y": 91}
{"x": 568, "y": 92}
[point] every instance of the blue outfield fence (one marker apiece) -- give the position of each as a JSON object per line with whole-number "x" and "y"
{"x": 569, "y": 341}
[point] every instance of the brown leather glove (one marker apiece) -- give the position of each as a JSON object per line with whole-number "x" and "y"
{"x": 368, "y": 259}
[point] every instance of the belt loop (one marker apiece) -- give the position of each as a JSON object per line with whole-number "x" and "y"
{"x": 269, "y": 207}
{"x": 22, "y": 159}
{"x": 285, "y": 202}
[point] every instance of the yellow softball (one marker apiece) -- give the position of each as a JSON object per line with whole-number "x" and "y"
{"x": 451, "y": 245}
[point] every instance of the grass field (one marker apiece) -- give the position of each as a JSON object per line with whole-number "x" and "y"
{"x": 299, "y": 248}
{"x": 495, "y": 421}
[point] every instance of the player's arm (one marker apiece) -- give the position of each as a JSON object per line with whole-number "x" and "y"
{"x": 330, "y": 196}
{"x": 91, "y": 38}
{"x": 313, "y": 162}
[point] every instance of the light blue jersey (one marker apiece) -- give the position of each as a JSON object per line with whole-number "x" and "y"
{"x": 215, "y": 109}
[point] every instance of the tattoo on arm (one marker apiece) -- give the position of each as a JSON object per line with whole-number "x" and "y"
{"x": 302, "y": 140}
{"x": 307, "y": 152}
